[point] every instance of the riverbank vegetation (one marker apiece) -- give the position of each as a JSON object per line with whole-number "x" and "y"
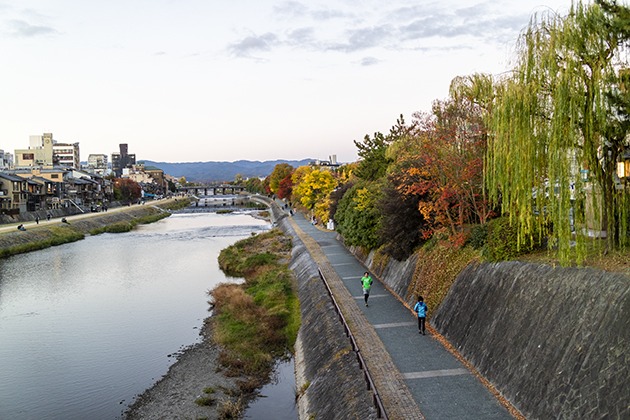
{"x": 532, "y": 164}
{"x": 255, "y": 322}
{"x": 129, "y": 225}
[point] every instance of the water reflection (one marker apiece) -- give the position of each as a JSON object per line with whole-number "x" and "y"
{"x": 86, "y": 326}
{"x": 276, "y": 399}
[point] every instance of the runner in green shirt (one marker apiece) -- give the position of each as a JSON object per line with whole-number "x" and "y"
{"x": 366, "y": 283}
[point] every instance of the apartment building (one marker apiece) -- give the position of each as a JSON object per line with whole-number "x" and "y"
{"x": 97, "y": 164}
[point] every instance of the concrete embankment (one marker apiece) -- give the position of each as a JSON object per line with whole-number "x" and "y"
{"x": 554, "y": 341}
{"x": 79, "y": 225}
{"x": 328, "y": 379}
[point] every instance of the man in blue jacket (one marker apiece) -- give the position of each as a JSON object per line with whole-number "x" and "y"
{"x": 421, "y": 309}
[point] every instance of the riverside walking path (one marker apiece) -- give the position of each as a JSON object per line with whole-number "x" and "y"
{"x": 415, "y": 375}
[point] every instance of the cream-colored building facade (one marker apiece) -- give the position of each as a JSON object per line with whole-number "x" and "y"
{"x": 45, "y": 151}
{"x": 39, "y": 152}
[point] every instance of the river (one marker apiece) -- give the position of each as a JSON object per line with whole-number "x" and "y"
{"x": 86, "y": 326}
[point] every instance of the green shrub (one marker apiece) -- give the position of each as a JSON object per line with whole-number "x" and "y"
{"x": 478, "y": 236}
{"x": 502, "y": 242}
{"x": 358, "y": 217}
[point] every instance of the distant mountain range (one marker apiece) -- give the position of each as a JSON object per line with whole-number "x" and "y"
{"x": 222, "y": 171}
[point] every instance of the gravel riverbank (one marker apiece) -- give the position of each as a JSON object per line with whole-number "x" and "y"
{"x": 174, "y": 395}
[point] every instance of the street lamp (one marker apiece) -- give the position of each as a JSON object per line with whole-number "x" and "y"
{"x": 623, "y": 166}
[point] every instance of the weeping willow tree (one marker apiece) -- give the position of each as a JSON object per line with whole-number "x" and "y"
{"x": 552, "y": 154}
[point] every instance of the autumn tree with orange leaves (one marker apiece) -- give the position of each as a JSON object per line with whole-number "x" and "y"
{"x": 441, "y": 164}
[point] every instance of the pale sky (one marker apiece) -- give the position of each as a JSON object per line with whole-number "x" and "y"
{"x": 224, "y": 80}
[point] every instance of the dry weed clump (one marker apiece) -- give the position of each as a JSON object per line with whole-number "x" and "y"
{"x": 436, "y": 270}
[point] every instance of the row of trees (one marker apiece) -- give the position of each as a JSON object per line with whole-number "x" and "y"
{"x": 539, "y": 144}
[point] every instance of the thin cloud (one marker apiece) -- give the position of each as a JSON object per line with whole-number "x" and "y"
{"x": 393, "y": 28}
{"x": 24, "y": 29}
{"x": 364, "y": 38}
{"x": 478, "y": 21}
{"x": 369, "y": 61}
{"x": 294, "y": 9}
{"x": 328, "y": 14}
{"x": 291, "y": 9}
{"x": 253, "y": 44}
{"x": 301, "y": 36}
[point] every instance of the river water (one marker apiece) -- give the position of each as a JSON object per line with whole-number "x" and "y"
{"x": 87, "y": 326}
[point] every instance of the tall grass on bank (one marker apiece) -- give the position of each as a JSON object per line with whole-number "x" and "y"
{"x": 256, "y": 322}
{"x": 128, "y": 225}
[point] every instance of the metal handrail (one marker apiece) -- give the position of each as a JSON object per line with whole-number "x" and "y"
{"x": 380, "y": 410}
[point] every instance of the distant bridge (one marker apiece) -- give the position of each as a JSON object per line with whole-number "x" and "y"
{"x": 221, "y": 189}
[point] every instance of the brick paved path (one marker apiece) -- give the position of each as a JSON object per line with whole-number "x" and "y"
{"x": 415, "y": 376}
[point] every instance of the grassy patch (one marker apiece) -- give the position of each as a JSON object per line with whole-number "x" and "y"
{"x": 256, "y": 322}
{"x": 206, "y": 401}
{"x": 176, "y": 204}
{"x": 128, "y": 225}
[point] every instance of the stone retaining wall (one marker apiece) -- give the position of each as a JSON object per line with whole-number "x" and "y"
{"x": 30, "y": 216}
{"x": 396, "y": 275}
{"x": 329, "y": 381}
{"x": 554, "y": 341}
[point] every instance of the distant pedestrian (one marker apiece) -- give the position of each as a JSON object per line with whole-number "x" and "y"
{"x": 366, "y": 283}
{"x": 37, "y": 220}
{"x": 421, "y": 309}
{"x": 48, "y": 216}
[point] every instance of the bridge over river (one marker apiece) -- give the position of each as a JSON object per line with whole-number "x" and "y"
{"x": 217, "y": 189}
